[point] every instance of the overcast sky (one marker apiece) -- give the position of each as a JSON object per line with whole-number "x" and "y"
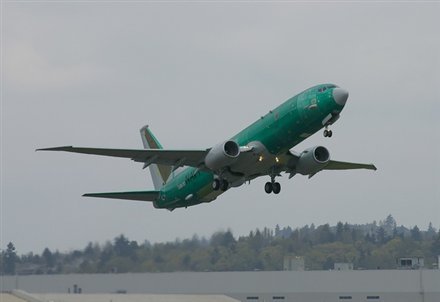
{"x": 91, "y": 74}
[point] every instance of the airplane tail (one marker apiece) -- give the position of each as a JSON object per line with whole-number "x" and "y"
{"x": 159, "y": 173}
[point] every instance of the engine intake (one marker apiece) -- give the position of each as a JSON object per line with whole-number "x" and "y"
{"x": 312, "y": 160}
{"x": 222, "y": 155}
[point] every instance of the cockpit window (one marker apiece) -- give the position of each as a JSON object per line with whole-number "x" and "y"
{"x": 324, "y": 88}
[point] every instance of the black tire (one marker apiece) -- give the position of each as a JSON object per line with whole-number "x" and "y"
{"x": 276, "y": 187}
{"x": 268, "y": 187}
{"x": 216, "y": 184}
{"x": 325, "y": 133}
{"x": 330, "y": 133}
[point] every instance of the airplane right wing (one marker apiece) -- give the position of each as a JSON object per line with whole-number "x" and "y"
{"x": 176, "y": 158}
{"x": 310, "y": 165}
{"x": 340, "y": 165}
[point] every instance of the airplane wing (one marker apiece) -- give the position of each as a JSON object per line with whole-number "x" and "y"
{"x": 176, "y": 158}
{"x": 294, "y": 157}
{"x": 340, "y": 165}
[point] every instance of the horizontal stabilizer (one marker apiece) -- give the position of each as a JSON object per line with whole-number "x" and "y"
{"x": 136, "y": 195}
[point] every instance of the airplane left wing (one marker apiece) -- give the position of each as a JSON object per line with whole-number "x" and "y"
{"x": 176, "y": 158}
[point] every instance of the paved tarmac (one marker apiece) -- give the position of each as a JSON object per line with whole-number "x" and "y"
{"x": 9, "y": 298}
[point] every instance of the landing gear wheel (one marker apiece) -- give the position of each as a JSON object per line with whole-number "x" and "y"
{"x": 224, "y": 185}
{"x": 268, "y": 187}
{"x": 276, "y": 187}
{"x": 325, "y": 133}
{"x": 216, "y": 184}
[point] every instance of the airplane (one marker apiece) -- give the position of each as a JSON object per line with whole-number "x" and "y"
{"x": 184, "y": 178}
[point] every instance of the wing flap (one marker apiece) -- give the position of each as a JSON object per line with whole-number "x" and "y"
{"x": 134, "y": 195}
{"x": 193, "y": 158}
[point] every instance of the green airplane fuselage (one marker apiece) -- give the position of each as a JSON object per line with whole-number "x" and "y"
{"x": 278, "y": 131}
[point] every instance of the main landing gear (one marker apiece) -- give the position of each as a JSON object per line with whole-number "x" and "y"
{"x": 220, "y": 184}
{"x": 327, "y": 133}
{"x": 272, "y": 186}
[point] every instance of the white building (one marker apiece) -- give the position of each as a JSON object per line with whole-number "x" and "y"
{"x": 343, "y": 266}
{"x": 306, "y": 286}
{"x": 410, "y": 263}
{"x": 293, "y": 263}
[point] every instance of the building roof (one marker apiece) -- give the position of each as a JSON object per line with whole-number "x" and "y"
{"x": 132, "y": 298}
{"x": 210, "y": 283}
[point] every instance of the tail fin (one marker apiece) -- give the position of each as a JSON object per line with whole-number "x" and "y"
{"x": 159, "y": 173}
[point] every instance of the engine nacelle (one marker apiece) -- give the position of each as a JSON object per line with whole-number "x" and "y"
{"x": 312, "y": 160}
{"x": 222, "y": 155}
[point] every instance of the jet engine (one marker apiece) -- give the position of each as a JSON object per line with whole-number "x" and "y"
{"x": 312, "y": 160}
{"x": 222, "y": 155}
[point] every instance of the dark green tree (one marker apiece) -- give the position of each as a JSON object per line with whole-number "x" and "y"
{"x": 225, "y": 239}
{"x": 389, "y": 225}
{"x": 381, "y": 235}
{"x": 324, "y": 234}
{"x": 122, "y": 246}
{"x": 277, "y": 231}
{"x": 9, "y": 259}
{"x": 415, "y": 234}
{"x": 48, "y": 258}
{"x": 339, "y": 231}
{"x": 104, "y": 258}
{"x": 430, "y": 233}
{"x": 125, "y": 248}
{"x": 435, "y": 246}
{"x": 256, "y": 241}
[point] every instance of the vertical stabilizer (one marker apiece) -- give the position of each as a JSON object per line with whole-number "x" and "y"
{"x": 159, "y": 173}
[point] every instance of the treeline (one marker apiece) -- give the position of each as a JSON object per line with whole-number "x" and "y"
{"x": 368, "y": 246}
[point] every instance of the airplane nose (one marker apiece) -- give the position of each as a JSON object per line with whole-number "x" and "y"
{"x": 340, "y": 96}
